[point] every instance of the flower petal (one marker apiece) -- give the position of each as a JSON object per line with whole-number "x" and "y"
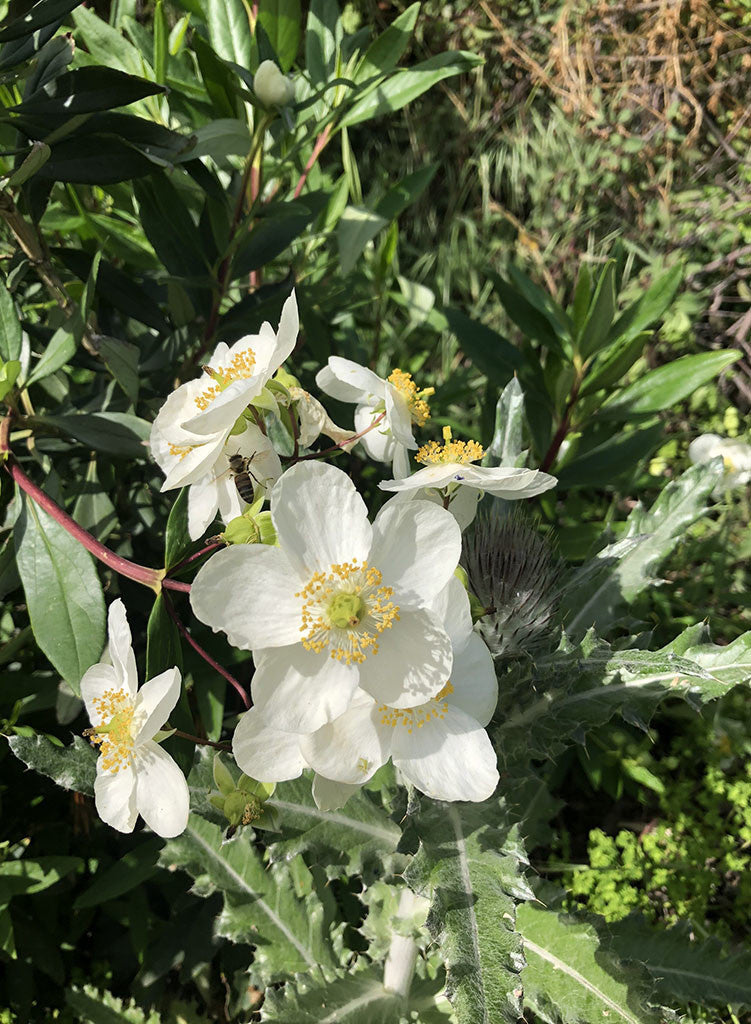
{"x": 416, "y": 546}
{"x": 203, "y": 501}
{"x": 413, "y": 662}
{"x": 299, "y": 691}
{"x": 330, "y": 795}
{"x": 265, "y": 753}
{"x": 349, "y": 381}
{"x": 449, "y": 758}
{"x": 154, "y": 703}
{"x": 398, "y": 417}
{"x": 350, "y": 749}
{"x": 705, "y": 447}
{"x": 248, "y": 591}
{"x": 508, "y": 482}
{"x": 319, "y": 517}
{"x": 121, "y": 646}
{"x": 162, "y": 795}
{"x": 222, "y": 411}
{"x": 115, "y": 797}
{"x": 474, "y": 681}
{"x": 95, "y": 683}
{"x": 430, "y": 476}
{"x": 451, "y": 608}
{"x": 378, "y": 442}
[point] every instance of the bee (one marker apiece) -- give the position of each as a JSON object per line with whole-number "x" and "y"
{"x": 239, "y": 467}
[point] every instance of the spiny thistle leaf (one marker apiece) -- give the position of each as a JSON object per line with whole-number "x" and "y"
{"x": 260, "y": 904}
{"x": 685, "y": 970}
{"x": 570, "y": 979}
{"x": 356, "y": 999}
{"x": 71, "y": 767}
{"x": 91, "y": 1006}
{"x": 469, "y": 864}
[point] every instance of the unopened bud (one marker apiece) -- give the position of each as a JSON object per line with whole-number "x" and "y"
{"x": 272, "y": 88}
{"x": 242, "y": 530}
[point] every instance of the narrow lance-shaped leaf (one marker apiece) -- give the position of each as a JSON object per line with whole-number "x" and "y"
{"x": 63, "y": 593}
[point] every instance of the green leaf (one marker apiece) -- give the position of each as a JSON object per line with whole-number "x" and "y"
{"x": 569, "y": 977}
{"x": 72, "y": 767}
{"x": 121, "y": 359}
{"x": 539, "y": 299}
{"x": 531, "y": 321}
{"x": 685, "y": 969}
{"x": 42, "y": 13}
{"x": 662, "y": 388}
{"x": 491, "y": 353}
{"x": 323, "y": 34}
{"x": 400, "y": 196}
{"x": 176, "y": 538}
{"x": 281, "y": 21}
{"x": 358, "y": 832}
{"x": 106, "y": 45}
{"x": 84, "y": 91}
{"x": 404, "y": 86}
{"x": 385, "y": 52}
{"x": 355, "y": 999}
{"x": 605, "y": 463}
{"x": 259, "y": 902}
{"x": 161, "y": 54}
{"x": 63, "y": 593}
{"x": 132, "y": 869}
{"x": 93, "y": 509}
{"x": 37, "y": 157}
{"x": 163, "y": 649}
{"x": 645, "y": 312}
{"x": 94, "y": 1007}
{"x": 229, "y": 31}
{"x": 115, "y": 433}
{"x": 357, "y": 226}
{"x": 60, "y": 349}
{"x": 657, "y": 532}
{"x": 582, "y": 298}
{"x": 613, "y": 364}
{"x": 11, "y": 334}
{"x": 469, "y": 863}
{"x": 275, "y": 231}
{"x": 594, "y": 335}
{"x": 26, "y": 876}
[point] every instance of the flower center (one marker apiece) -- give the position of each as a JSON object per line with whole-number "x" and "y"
{"x": 416, "y": 718}
{"x": 345, "y": 610}
{"x": 728, "y": 463}
{"x": 241, "y": 368}
{"x": 114, "y": 736}
{"x": 434, "y": 454}
{"x": 416, "y": 400}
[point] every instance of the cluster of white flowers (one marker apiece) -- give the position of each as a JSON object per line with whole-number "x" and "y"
{"x": 361, "y": 633}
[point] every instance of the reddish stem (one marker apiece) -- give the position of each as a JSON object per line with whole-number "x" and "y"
{"x": 562, "y": 431}
{"x": 176, "y": 585}
{"x": 140, "y": 573}
{"x": 320, "y": 142}
{"x": 197, "y": 739}
{"x": 204, "y": 654}
{"x": 199, "y": 554}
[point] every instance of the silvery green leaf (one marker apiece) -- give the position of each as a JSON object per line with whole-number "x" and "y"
{"x": 72, "y": 767}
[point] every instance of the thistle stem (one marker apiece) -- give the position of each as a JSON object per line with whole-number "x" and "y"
{"x": 185, "y": 632}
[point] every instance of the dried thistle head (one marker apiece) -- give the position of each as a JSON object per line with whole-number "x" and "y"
{"x": 514, "y": 575}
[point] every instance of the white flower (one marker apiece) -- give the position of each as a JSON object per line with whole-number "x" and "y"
{"x": 450, "y": 466}
{"x": 339, "y": 603}
{"x": 217, "y": 491}
{"x": 314, "y": 421}
{"x": 440, "y": 746}
{"x": 397, "y": 400}
{"x": 272, "y": 88}
{"x": 133, "y": 774}
{"x": 735, "y": 454}
{"x": 191, "y": 429}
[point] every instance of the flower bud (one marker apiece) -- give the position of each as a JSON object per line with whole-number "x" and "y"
{"x": 242, "y": 530}
{"x": 272, "y": 88}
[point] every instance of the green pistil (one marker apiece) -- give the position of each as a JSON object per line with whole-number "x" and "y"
{"x": 346, "y": 611}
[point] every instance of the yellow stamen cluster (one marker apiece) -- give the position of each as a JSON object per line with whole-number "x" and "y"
{"x": 418, "y": 408}
{"x": 373, "y": 611}
{"x": 241, "y": 368}
{"x": 114, "y": 736}
{"x": 416, "y": 718}
{"x": 180, "y": 450}
{"x": 728, "y": 464}
{"x": 434, "y": 454}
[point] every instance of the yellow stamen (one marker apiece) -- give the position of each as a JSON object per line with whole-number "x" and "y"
{"x": 114, "y": 736}
{"x": 345, "y": 610}
{"x": 416, "y": 718}
{"x": 241, "y": 368}
{"x": 434, "y": 454}
{"x": 728, "y": 464}
{"x": 180, "y": 450}
{"x": 416, "y": 400}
